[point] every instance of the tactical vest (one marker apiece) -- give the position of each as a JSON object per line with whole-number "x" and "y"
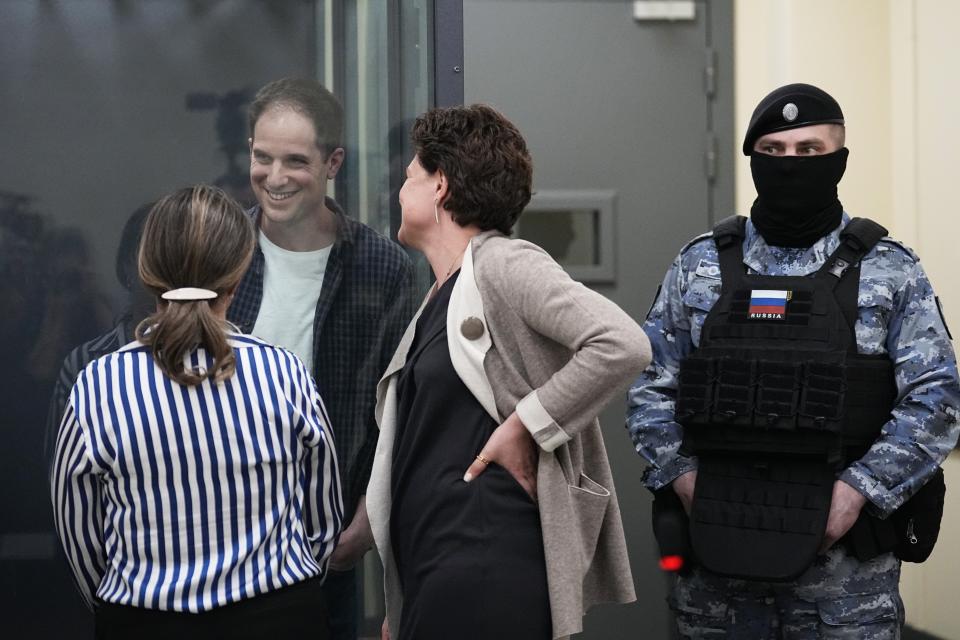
{"x": 774, "y": 402}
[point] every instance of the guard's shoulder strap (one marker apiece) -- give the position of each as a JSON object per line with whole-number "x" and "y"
{"x": 856, "y": 240}
{"x": 864, "y": 232}
{"x": 729, "y": 229}
{"x": 843, "y": 266}
{"x": 728, "y": 235}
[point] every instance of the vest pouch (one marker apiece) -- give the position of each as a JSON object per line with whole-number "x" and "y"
{"x": 759, "y": 518}
{"x": 822, "y": 397}
{"x": 734, "y": 400}
{"x": 911, "y": 532}
{"x": 778, "y": 394}
{"x": 695, "y": 391}
{"x": 917, "y": 521}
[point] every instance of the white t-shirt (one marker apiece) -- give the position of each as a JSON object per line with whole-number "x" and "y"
{"x": 291, "y": 286}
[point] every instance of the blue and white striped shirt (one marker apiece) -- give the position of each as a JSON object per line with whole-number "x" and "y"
{"x": 185, "y": 498}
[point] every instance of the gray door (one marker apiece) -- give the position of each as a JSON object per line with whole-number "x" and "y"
{"x": 624, "y": 119}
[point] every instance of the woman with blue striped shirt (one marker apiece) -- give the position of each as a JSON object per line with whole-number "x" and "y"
{"x": 195, "y": 484}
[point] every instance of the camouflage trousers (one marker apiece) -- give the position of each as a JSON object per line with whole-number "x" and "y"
{"x": 837, "y": 597}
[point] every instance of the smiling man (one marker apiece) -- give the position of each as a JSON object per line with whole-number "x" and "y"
{"x": 803, "y": 389}
{"x": 327, "y": 287}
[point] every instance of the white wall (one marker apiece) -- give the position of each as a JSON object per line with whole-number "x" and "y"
{"x": 890, "y": 64}
{"x": 926, "y": 137}
{"x": 840, "y": 46}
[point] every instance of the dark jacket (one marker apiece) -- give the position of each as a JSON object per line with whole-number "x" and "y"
{"x": 365, "y": 304}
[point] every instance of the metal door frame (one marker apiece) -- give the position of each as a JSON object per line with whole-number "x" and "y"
{"x": 448, "y": 53}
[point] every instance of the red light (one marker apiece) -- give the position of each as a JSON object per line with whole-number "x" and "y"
{"x": 671, "y": 563}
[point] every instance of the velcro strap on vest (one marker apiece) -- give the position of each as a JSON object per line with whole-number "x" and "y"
{"x": 766, "y": 332}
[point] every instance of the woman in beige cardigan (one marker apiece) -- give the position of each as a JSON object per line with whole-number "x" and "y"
{"x": 491, "y": 498}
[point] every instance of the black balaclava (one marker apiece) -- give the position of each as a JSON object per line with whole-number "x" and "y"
{"x": 797, "y": 197}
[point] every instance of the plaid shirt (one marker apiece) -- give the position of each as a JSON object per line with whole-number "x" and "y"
{"x": 365, "y": 304}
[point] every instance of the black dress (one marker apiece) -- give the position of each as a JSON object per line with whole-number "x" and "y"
{"x": 469, "y": 555}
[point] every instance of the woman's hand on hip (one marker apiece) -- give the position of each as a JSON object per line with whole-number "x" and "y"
{"x": 512, "y": 447}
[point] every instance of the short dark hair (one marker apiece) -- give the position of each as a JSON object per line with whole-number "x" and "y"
{"x": 839, "y": 133}
{"x": 307, "y": 97}
{"x": 485, "y": 160}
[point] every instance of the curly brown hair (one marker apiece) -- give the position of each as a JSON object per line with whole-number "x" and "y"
{"x": 485, "y": 159}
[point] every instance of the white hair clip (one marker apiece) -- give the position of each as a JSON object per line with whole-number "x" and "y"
{"x": 189, "y": 293}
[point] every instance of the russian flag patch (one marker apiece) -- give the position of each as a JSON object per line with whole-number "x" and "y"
{"x": 766, "y": 304}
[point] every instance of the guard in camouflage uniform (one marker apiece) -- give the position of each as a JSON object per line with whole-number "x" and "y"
{"x": 797, "y": 229}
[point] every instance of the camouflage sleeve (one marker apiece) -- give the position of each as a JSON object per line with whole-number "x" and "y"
{"x": 924, "y": 426}
{"x": 650, "y": 401}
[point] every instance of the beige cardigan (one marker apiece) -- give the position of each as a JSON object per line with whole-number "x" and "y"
{"x": 556, "y": 352}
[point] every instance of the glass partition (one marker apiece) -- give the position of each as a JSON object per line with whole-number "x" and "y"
{"x": 109, "y": 104}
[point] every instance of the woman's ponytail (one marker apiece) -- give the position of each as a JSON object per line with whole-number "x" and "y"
{"x": 196, "y": 245}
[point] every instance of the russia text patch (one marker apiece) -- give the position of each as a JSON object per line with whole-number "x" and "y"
{"x": 767, "y": 304}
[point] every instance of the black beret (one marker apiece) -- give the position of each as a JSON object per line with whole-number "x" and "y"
{"x": 791, "y": 107}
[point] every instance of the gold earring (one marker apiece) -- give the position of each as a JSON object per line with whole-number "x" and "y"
{"x": 436, "y": 211}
